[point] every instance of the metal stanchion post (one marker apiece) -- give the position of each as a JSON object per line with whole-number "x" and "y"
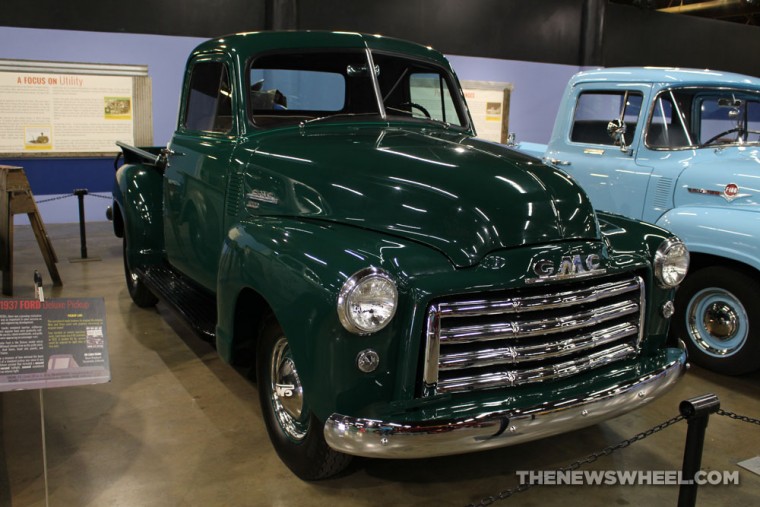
{"x": 697, "y": 412}
{"x": 80, "y": 193}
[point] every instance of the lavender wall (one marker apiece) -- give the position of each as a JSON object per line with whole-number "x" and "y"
{"x": 537, "y": 89}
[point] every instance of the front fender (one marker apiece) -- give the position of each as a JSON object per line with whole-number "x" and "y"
{"x": 628, "y": 235}
{"x": 138, "y": 192}
{"x": 299, "y": 267}
{"x": 631, "y": 239}
{"x": 729, "y": 233}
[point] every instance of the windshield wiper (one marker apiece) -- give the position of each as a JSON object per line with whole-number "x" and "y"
{"x": 408, "y": 116}
{"x": 331, "y": 116}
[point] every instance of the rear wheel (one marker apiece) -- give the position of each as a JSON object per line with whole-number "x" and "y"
{"x": 140, "y": 294}
{"x": 295, "y": 432}
{"x": 718, "y": 316}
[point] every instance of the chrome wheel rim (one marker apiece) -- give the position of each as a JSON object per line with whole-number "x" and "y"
{"x": 287, "y": 393}
{"x": 132, "y": 277}
{"x": 717, "y": 322}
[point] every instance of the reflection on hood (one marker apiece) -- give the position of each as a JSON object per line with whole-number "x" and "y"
{"x": 458, "y": 195}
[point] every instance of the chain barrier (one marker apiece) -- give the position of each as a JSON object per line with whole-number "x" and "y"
{"x": 583, "y": 461}
{"x": 72, "y": 195}
{"x": 738, "y": 417}
{"x": 54, "y": 198}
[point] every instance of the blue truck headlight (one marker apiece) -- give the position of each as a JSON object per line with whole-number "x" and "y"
{"x": 671, "y": 262}
{"x": 367, "y": 301}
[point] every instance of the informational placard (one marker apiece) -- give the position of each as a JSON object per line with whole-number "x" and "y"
{"x": 64, "y": 113}
{"x": 489, "y": 107}
{"x": 54, "y": 343}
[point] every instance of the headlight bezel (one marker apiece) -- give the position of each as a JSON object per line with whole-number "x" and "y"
{"x": 663, "y": 255}
{"x": 348, "y": 289}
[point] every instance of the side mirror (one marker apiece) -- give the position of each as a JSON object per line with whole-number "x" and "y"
{"x": 616, "y": 130}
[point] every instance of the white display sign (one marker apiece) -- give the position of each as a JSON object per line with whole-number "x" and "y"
{"x": 64, "y": 113}
{"x": 489, "y": 108}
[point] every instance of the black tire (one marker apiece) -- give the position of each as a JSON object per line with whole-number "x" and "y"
{"x": 139, "y": 293}
{"x": 718, "y": 318}
{"x": 296, "y": 434}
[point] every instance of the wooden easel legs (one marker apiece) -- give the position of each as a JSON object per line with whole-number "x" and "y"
{"x": 16, "y": 197}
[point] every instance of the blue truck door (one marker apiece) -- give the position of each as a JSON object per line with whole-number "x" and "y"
{"x": 598, "y": 145}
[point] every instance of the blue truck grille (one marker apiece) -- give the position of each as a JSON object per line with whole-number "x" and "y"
{"x": 536, "y": 334}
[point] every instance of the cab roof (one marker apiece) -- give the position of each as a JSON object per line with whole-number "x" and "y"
{"x": 666, "y": 76}
{"x": 256, "y": 42}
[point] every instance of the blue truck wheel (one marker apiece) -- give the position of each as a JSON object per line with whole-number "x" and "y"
{"x": 718, "y": 316}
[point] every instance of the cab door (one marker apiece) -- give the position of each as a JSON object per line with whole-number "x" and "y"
{"x": 196, "y": 177}
{"x": 598, "y": 148}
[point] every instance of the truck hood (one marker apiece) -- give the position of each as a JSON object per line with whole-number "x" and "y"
{"x": 720, "y": 178}
{"x": 459, "y": 195}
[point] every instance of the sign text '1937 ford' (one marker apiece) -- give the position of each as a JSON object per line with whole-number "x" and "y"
{"x": 679, "y": 148}
{"x": 400, "y": 288}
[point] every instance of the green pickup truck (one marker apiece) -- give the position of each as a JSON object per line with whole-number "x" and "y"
{"x": 326, "y": 216}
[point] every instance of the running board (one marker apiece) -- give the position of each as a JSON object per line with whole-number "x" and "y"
{"x": 197, "y": 306}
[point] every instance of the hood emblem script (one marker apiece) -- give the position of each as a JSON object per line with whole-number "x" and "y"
{"x": 571, "y": 266}
{"x": 729, "y": 193}
{"x": 255, "y": 196}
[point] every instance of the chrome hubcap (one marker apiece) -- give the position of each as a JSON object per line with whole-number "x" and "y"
{"x": 717, "y": 322}
{"x": 721, "y": 320}
{"x": 287, "y": 393}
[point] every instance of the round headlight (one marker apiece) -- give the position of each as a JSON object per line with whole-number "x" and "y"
{"x": 671, "y": 262}
{"x": 367, "y": 301}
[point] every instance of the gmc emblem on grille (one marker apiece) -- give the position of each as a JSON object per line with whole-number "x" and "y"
{"x": 569, "y": 266}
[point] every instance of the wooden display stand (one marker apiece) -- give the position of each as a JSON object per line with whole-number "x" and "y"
{"x": 16, "y": 197}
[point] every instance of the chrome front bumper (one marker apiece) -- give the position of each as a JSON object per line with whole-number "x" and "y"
{"x": 384, "y": 439}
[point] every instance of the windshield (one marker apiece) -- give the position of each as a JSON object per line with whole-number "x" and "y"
{"x": 339, "y": 85}
{"x": 699, "y": 118}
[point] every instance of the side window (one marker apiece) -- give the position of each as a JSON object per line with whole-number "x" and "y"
{"x": 431, "y": 97}
{"x": 595, "y": 110}
{"x": 209, "y": 100}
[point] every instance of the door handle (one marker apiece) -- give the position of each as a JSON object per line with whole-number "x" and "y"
{"x": 162, "y": 160}
{"x": 556, "y": 161}
{"x": 171, "y": 153}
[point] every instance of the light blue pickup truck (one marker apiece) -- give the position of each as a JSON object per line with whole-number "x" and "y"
{"x": 679, "y": 148}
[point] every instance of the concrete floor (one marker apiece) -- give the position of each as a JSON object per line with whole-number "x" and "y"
{"x": 177, "y": 427}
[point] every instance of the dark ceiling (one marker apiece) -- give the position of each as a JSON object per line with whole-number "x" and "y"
{"x": 738, "y": 11}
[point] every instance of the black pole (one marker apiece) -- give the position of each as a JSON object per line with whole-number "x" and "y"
{"x": 697, "y": 412}
{"x": 80, "y": 193}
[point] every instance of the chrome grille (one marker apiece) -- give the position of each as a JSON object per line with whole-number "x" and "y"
{"x": 535, "y": 334}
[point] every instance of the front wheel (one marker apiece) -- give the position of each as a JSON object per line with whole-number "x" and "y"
{"x": 718, "y": 316}
{"x": 297, "y": 435}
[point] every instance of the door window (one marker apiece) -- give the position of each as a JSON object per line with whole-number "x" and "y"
{"x": 595, "y": 111}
